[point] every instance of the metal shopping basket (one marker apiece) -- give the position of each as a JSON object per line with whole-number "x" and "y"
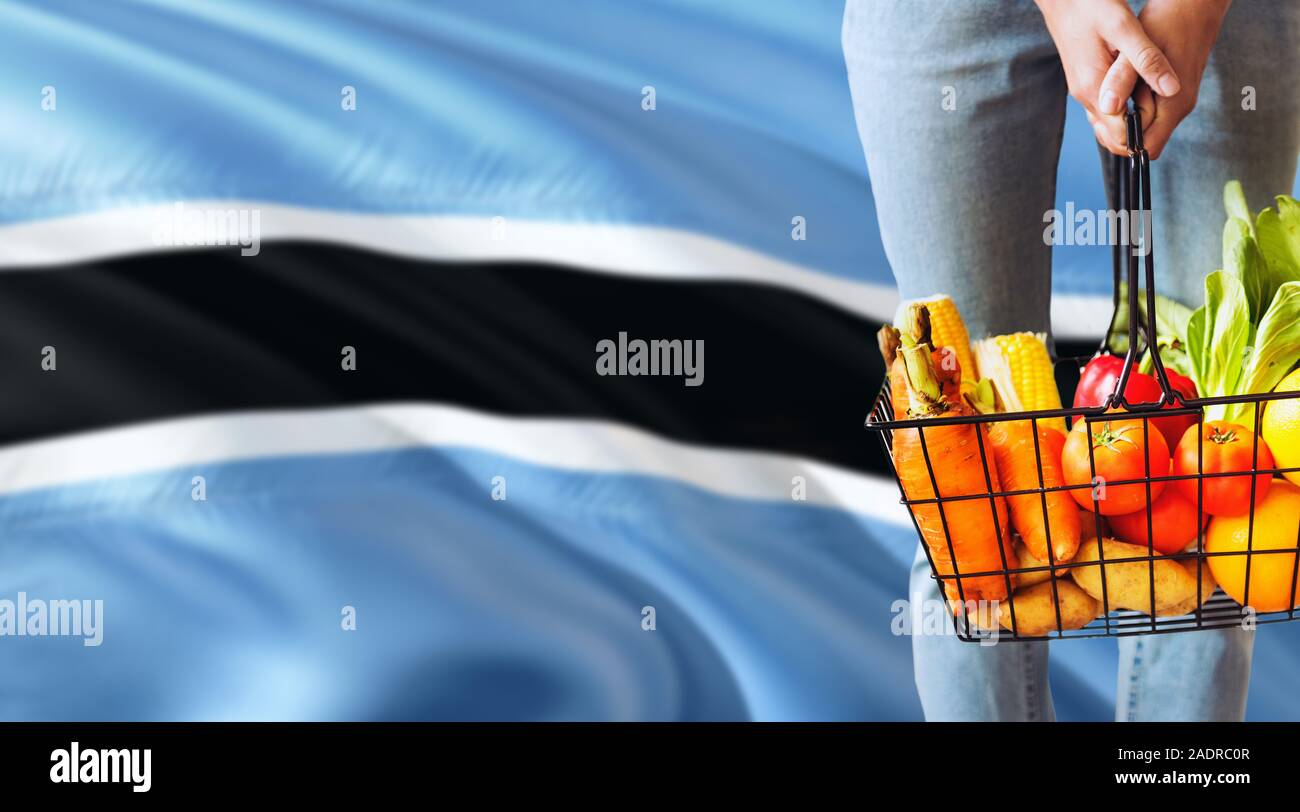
{"x": 1214, "y": 610}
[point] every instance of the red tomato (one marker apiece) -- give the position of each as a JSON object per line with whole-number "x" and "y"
{"x": 1098, "y": 379}
{"x": 1225, "y": 447}
{"x": 1121, "y": 449}
{"x": 1173, "y": 519}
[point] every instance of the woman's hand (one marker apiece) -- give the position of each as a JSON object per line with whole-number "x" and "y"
{"x": 1093, "y": 37}
{"x": 1186, "y": 30}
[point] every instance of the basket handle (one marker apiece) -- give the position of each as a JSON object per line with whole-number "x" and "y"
{"x": 1133, "y": 184}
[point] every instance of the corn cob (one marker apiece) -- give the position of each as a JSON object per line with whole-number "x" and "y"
{"x": 946, "y": 330}
{"x": 1021, "y": 370}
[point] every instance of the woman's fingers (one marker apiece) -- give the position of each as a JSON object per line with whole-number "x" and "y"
{"x": 1116, "y": 86}
{"x": 1105, "y": 51}
{"x": 1131, "y": 40}
{"x": 1120, "y": 84}
{"x": 1111, "y": 132}
{"x": 1156, "y": 129}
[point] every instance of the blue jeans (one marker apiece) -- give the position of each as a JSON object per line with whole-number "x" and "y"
{"x": 960, "y": 196}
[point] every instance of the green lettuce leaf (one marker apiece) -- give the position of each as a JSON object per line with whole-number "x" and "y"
{"x": 1171, "y": 324}
{"x": 1171, "y": 315}
{"x": 1242, "y": 259}
{"x": 1277, "y": 349}
{"x": 1234, "y": 203}
{"x": 1227, "y": 338}
{"x": 1171, "y": 334}
{"x": 1279, "y": 240}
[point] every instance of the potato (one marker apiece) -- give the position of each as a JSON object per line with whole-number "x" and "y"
{"x": 1027, "y": 579}
{"x": 1207, "y": 589}
{"x": 1036, "y": 610}
{"x": 1027, "y": 560}
{"x": 1128, "y": 584}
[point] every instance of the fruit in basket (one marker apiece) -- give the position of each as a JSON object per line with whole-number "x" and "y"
{"x": 1100, "y": 376}
{"x": 1277, "y": 519}
{"x": 1128, "y": 576}
{"x": 1035, "y": 609}
{"x": 1280, "y": 426}
{"x": 947, "y": 330}
{"x": 974, "y": 532}
{"x": 1222, "y": 448}
{"x": 1173, "y": 520}
{"x": 1121, "y": 449}
{"x": 1207, "y": 590}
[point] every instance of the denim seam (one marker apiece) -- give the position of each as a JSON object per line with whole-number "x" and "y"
{"x": 1133, "y": 679}
{"x": 1031, "y": 685}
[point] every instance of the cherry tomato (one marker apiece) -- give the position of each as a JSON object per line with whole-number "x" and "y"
{"x": 1173, "y": 520}
{"x": 1121, "y": 449}
{"x": 1225, "y": 447}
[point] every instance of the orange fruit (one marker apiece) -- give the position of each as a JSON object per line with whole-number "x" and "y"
{"x": 1280, "y": 426}
{"x": 1277, "y": 519}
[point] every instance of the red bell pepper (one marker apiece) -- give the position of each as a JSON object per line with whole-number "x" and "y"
{"x": 1100, "y": 376}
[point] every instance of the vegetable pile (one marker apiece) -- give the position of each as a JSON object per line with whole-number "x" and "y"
{"x": 1138, "y": 496}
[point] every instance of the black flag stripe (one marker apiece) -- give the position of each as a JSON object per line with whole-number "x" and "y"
{"x": 180, "y": 333}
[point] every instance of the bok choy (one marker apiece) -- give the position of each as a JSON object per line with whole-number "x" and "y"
{"x": 1246, "y": 336}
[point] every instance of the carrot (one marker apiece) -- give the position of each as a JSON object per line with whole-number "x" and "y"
{"x": 946, "y": 367}
{"x": 977, "y": 528}
{"x": 1013, "y": 447}
{"x": 1018, "y": 465}
{"x": 950, "y": 385}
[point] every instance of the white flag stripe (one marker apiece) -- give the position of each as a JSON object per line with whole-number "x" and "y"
{"x": 568, "y": 444}
{"x": 647, "y": 251}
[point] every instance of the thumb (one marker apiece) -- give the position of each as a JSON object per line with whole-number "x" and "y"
{"x": 1145, "y": 56}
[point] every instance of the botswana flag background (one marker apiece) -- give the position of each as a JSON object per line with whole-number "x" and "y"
{"x": 498, "y": 202}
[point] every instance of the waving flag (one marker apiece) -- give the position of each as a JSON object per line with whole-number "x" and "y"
{"x": 302, "y": 308}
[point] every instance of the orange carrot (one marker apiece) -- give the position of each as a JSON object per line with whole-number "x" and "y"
{"x": 946, "y": 367}
{"x": 977, "y": 528}
{"x": 950, "y": 385}
{"x": 1013, "y": 447}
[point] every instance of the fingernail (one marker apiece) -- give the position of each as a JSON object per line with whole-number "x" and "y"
{"x": 1168, "y": 84}
{"x": 1109, "y": 102}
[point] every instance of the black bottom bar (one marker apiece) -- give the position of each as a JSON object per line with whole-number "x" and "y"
{"x": 237, "y": 760}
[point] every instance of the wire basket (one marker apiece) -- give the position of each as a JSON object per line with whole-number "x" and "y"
{"x": 1119, "y": 613}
